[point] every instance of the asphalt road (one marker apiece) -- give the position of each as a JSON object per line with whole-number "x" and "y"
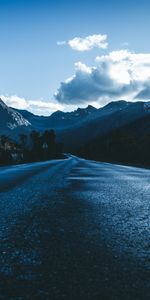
{"x": 74, "y": 229}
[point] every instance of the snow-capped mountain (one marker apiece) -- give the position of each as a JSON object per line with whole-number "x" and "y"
{"x": 11, "y": 121}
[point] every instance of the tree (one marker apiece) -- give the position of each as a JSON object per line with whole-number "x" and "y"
{"x": 48, "y": 138}
{"x": 23, "y": 140}
{"x": 36, "y": 152}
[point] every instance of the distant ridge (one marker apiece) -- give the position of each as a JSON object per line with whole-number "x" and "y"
{"x": 77, "y": 127}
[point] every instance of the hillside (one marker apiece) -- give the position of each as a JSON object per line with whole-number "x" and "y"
{"x": 12, "y": 122}
{"x": 129, "y": 144}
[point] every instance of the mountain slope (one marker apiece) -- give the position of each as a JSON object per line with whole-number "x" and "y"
{"x": 60, "y": 120}
{"x": 112, "y": 116}
{"x": 12, "y": 122}
{"x": 128, "y": 144}
{"x": 38, "y": 122}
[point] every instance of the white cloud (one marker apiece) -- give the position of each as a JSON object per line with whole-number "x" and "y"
{"x": 39, "y": 107}
{"x": 15, "y": 101}
{"x": 79, "y": 66}
{"x": 89, "y": 42}
{"x": 135, "y": 65}
{"x": 119, "y": 75}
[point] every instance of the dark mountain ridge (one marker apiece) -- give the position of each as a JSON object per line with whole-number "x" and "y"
{"x": 60, "y": 120}
{"x": 78, "y": 127}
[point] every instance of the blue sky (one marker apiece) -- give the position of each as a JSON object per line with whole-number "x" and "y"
{"x": 32, "y": 63}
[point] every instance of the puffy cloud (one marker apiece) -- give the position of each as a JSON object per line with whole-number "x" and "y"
{"x": 118, "y": 75}
{"x": 82, "y": 67}
{"x": 38, "y": 107}
{"x": 89, "y": 42}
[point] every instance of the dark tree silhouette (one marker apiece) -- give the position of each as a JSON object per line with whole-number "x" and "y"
{"x": 36, "y": 147}
{"x": 36, "y": 152}
{"x": 5, "y": 150}
{"x": 121, "y": 145}
{"x": 23, "y": 140}
{"x": 49, "y": 144}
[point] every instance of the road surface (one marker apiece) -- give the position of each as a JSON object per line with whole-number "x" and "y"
{"x": 74, "y": 229}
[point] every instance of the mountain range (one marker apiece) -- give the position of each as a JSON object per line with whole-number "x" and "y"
{"x": 79, "y": 127}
